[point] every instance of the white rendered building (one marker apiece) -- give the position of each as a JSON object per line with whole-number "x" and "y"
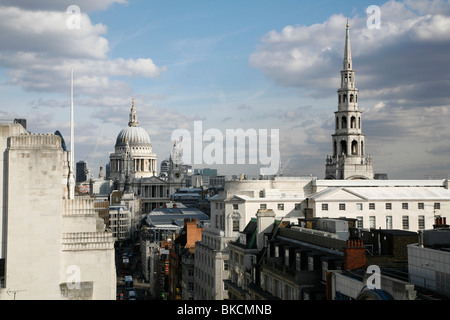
{"x": 53, "y": 244}
{"x": 387, "y": 204}
{"x": 231, "y": 211}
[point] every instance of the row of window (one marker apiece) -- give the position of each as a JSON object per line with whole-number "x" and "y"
{"x": 263, "y": 206}
{"x": 389, "y": 224}
{"x": 388, "y": 206}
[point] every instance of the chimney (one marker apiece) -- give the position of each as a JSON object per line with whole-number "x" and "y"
{"x": 354, "y": 255}
{"x": 446, "y": 184}
{"x": 265, "y": 219}
{"x": 440, "y": 222}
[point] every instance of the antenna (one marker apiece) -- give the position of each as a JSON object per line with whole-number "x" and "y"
{"x": 72, "y": 138}
{"x": 71, "y": 177}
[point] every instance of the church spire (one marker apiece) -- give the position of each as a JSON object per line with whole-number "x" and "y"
{"x": 348, "y": 160}
{"x": 348, "y": 51}
{"x": 133, "y": 117}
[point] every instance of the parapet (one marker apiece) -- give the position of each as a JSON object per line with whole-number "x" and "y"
{"x": 35, "y": 141}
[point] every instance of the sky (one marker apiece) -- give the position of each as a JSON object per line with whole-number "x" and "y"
{"x": 263, "y": 64}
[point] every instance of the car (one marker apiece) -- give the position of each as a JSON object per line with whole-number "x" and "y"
{"x": 131, "y": 295}
{"x": 129, "y": 283}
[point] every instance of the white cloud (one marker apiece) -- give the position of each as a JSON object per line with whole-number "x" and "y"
{"x": 38, "y": 49}
{"x": 307, "y": 57}
{"x": 59, "y": 5}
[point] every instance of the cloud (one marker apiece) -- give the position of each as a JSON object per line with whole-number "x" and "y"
{"x": 60, "y": 5}
{"x": 307, "y": 57}
{"x": 402, "y": 71}
{"x": 38, "y": 49}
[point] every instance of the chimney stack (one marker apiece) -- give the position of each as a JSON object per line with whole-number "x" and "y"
{"x": 354, "y": 255}
{"x": 265, "y": 219}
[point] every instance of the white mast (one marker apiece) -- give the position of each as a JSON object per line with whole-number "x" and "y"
{"x": 71, "y": 180}
{"x": 72, "y": 138}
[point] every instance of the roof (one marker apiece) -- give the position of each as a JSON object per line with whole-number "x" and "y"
{"x": 378, "y": 183}
{"x": 174, "y": 216}
{"x": 135, "y": 136}
{"x": 386, "y": 193}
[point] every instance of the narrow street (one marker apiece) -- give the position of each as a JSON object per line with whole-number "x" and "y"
{"x": 128, "y": 263}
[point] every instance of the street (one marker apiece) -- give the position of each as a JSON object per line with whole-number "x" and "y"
{"x": 128, "y": 263}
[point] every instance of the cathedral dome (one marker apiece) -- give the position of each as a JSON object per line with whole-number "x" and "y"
{"x": 136, "y": 137}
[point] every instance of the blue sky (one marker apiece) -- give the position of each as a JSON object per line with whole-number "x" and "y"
{"x": 234, "y": 64}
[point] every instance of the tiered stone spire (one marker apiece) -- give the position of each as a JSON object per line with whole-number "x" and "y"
{"x": 348, "y": 160}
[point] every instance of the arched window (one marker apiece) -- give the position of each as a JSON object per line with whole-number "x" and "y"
{"x": 344, "y": 123}
{"x": 344, "y": 147}
{"x": 353, "y": 123}
{"x": 236, "y": 218}
{"x": 351, "y": 97}
{"x": 339, "y": 98}
{"x": 359, "y": 122}
{"x": 354, "y": 147}
{"x": 344, "y": 98}
{"x": 335, "y": 148}
{"x": 337, "y": 123}
{"x": 362, "y": 148}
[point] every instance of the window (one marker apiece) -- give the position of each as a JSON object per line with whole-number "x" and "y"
{"x": 405, "y": 222}
{"x": 421, "y": 206}
{"x": 342, "y": 206}
{"x": 388, "y": 206}
{"x": 437, "y": 206}
{"x": 371, "y": 206}
{"x": 372, "y": 222}
{"x": 359, "y": 206}
{"x": 281, "y": 206}
{"x": 421, "y": 222}
{"x": 263, "y": 206}
{"x": 324, "y": 206}
{"x": 359, "y": 222}
{"x": 261, "y": 194}
{"x": 298, "y": 206}
{"x": 310, "y": 263}
{"x": 388, "y": 222}
{"x": 236, "y": 221}
{"x": 298, "y": 261}
{"x": 405, "y": 206}
{"x": 235, "y": 206}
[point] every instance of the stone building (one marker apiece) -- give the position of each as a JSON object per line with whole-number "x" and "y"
{"x": 53, "y": 244}
{"x": 133, "y": 167}
{"x": 349, "y": 160}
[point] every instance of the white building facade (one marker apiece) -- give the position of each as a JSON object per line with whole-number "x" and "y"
{"x": 387, "y": 204}
{"x": 53, "y": 245}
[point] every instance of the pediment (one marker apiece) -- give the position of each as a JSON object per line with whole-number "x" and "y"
{"x": 339, "y": 194}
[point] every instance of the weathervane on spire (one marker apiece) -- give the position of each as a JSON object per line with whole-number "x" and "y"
{"x": 347, "y": 23}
